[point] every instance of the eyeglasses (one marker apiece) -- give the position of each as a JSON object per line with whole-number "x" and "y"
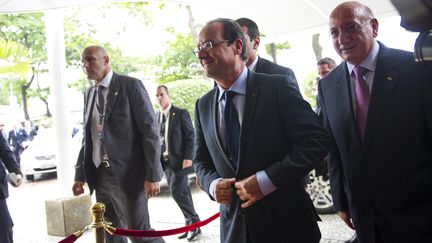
{"x": 349, "y": 29}
{"x": 207, "y": 46}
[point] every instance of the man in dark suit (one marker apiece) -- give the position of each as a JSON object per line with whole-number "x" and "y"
{"x": 177, "y": 151}
{"x": 121, "y": 151}
{"x": 256, "y": 63}
{"x": 6, "y": 160}
{"x": 17, "y": 139}
{"x": 377, "y": 106}
{"x": 254, "y": 144}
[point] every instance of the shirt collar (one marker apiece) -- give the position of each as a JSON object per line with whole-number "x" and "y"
{"x": 239, "y": 85}
{"x": 106, "y": 81}
{"x": 370, "y": 61}
{"x": 253, "y": 65}
{"x": 166, "y": 111}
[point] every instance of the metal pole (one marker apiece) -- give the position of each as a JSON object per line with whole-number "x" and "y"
{"x": 97, "y": 211}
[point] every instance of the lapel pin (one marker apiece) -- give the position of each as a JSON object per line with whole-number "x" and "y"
{"x": 389, "y": 78}
{"x": 116, "y": 93}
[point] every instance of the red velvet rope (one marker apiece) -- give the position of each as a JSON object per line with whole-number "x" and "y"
{"x": 70, "y": 239}
{"x": 159, "y": 233}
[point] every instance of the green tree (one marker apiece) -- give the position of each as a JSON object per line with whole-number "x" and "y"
{"x": 28, "y": 30}
{"x": 310, "y": 88}
{"x": 272, "y": 49}
{"x": 178, "y": 61}
{"x": 14, "y": 65}
{"x": 185, "y": 93}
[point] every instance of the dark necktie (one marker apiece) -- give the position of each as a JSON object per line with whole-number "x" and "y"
{"x": 100, "y": 101}
{"x": 162, "y": 134}
{"x": 232, "y": 127}
{"x": 362, "y": 99}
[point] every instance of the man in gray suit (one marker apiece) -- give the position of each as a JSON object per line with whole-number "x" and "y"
{"x": 377, "y": 106}
{"x": 255, "y": 62}
{"x": 255, "y": 139}
{"x": 121, "y": 151}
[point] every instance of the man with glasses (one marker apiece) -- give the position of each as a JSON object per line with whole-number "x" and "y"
{"x": 377, "y": 106}
{"x": 256, "y": 138}
{"x": 120, "y": 157}
{"x": 255, "y": 62}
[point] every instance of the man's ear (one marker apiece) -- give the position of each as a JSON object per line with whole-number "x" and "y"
{"x": 106, "y": 59}
{"x": 257, "y": 41}
{"x": 238, "y": 45}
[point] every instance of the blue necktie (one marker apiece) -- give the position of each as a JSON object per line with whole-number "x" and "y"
{"x": 232, "y": 127}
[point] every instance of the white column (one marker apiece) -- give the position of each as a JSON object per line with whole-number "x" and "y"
{"x": 61, "y": 114}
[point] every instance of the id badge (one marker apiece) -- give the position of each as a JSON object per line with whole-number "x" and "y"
{"x": 100, "y": 131}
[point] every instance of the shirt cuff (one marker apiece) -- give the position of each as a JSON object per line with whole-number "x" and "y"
{"x": 212, "y": 187}
{"x": 265, "y": 184}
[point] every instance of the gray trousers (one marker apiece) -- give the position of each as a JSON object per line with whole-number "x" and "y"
{"x": 178, "y": 184}
{"x": 124, "y": 211}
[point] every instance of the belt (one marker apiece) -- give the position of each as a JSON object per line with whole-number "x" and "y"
{"x": 105, "y": 163}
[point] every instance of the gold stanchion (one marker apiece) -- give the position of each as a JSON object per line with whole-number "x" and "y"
{"x": 98, "y": 210}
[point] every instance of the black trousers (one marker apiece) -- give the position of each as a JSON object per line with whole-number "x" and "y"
{"x": 124, "y": 211}
{"x": 6, "y": 224}
{"x": 178, "y": 184}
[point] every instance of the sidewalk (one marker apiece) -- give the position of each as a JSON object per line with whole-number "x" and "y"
{"x": 27, "y": 207}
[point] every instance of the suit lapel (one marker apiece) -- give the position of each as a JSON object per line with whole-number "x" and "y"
{"x": 251, "y": 98}
{"x": 113, "y": 92}
{"x": 213, "y": 108}
{"x": 89, "y": 103}
{"x": 171, "y": 120}
{"x": 384, "y": 83}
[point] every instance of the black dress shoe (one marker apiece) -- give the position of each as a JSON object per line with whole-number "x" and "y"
{"x": 193, "y": 234}
{"x": 183, "y": 235}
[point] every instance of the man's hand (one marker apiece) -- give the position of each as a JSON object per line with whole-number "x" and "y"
{"x": 224, "y": 190}
{"x": 187, "y": 163}
{"x": 249, "y": 191}
{"x": 78, "y": 188}
{"x": 19, "y": 180}
{"x": 345, "y": 216}
{"x": 151, "y": 189}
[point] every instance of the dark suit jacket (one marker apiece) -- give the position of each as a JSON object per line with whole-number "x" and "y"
{"x": 16, "y": 139}
{"x": 130, "y": 136}
{"x": 280, "y": 135}
{"x": 266, "y": 66}
{"x": 8, "y": 161}
{"x": 180, "y": 138}
{"x": 386, "y": 180}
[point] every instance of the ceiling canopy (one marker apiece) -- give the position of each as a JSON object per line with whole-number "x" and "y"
{"x": 274, "y": 17}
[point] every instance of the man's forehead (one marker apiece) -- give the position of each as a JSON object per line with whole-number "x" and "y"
{"x": 211, "y": 31}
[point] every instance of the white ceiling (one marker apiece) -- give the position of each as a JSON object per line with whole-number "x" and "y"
{"x": 274, "y": 17}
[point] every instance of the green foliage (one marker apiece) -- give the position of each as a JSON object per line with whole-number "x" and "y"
{"x": 14, "y": 58}
{"x": 27, "y": 29}
{"x": 184, "y": 93}
{"x": 310, "y": 89}
{"x": 279, "y": 46}
{"x": 178, "y": 61}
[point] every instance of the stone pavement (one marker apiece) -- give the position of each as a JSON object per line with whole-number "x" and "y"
{"x": 27, "y": 207}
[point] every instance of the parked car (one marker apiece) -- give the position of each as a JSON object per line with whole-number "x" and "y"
{"x": 319, "y": 189}
{"x": 40, "y": 155}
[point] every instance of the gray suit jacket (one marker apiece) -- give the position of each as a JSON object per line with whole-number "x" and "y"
{"x": 387, "y": 179}
{"x": 280, "y": 135}
{"x": 130, "y": 136}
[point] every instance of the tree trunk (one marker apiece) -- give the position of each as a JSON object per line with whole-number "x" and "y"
{"x": 191, "y": 24}
{"x": 48, "y": 112}
{"x": 317, "y": 47}
{"x": 273, "y": 51}
{"x": 24, "y": 89}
